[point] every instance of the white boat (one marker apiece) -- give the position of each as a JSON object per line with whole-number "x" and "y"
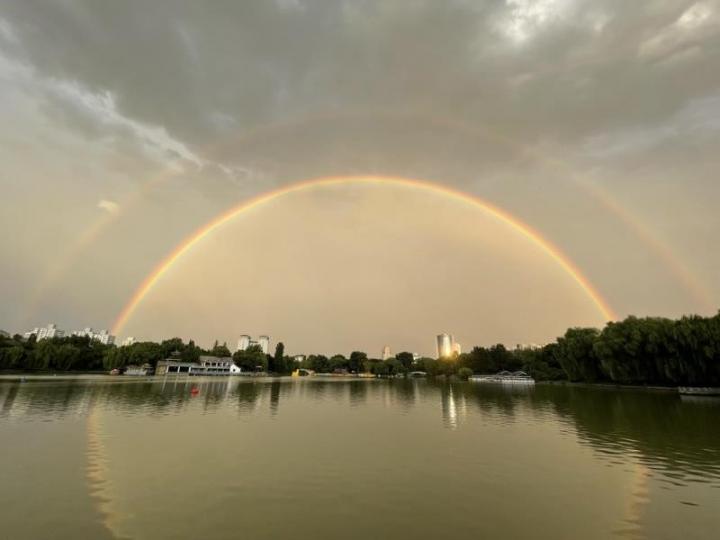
{"x": 139, "y": 371}
{"x": 505, "y": 377}
{"x": 699, "y": 390}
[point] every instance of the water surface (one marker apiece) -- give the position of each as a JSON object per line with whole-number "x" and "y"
{"x": 93, "y": 457}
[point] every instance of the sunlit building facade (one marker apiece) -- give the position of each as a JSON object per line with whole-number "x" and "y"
{"x": 243, "y": 343}
{"x": 445, "y": 345}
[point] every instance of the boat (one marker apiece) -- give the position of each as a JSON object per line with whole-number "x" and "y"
{"x": 699, "y": 390}
{"x": 505, "y": 377}
{"x": 140, "y": 371}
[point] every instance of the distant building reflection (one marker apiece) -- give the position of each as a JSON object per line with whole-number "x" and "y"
{"x": 454, "y": 406}
{"x": 666, "y": 433}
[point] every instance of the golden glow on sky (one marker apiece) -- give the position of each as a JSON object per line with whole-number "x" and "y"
{"x": 520, "y": 228}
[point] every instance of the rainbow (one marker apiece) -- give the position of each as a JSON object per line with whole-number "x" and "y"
{"x": 674, "y": 265}
{"x": 501, "y": 215}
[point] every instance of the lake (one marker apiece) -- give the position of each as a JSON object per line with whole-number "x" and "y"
{"x": 103, "y": 457}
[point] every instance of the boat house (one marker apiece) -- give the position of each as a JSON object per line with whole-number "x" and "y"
{"x": 206, "y": 365}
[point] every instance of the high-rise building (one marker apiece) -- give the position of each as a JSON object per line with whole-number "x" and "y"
{"x": 128, "y": 341}
{"x": 264, "y": 342}
{"x": 444, "y": 345}
{"x": 243, "y": 343}
{"x": 386, "y": 353}
{"x": 246, "y": 341}
{"x": 457, "y": 349}
{"x": 46, "y": 332}
{"x": 103, "y": 336}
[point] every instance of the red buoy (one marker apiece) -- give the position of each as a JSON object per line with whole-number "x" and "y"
{"x": 194, "y": 391}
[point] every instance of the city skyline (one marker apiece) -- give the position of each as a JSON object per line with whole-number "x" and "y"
{"x": 51, "y": 330}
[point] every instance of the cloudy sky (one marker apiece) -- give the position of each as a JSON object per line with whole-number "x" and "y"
{"x": 125, "y": 126}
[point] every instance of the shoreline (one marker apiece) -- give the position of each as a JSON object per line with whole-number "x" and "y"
{"x": 612, "y": 386}
{"x": 89, "y": 375}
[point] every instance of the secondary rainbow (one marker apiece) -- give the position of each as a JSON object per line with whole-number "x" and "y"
{"x": 674, "y": 264}
{"x": 501, "y": 215}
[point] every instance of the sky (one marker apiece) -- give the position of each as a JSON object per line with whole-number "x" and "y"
{"x": 126, "y": 126}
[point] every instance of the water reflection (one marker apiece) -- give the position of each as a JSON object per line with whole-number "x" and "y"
{"x": 453, "y": 405}
{"x": 664, "y": 433}
{"x": 603, "y": 455}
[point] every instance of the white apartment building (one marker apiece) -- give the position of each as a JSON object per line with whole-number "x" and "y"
{"x": 47, "y": 332}
{"x": 243, "y": 343}
{"x": 246, "y": 341}
{"x": 103, "y": 336}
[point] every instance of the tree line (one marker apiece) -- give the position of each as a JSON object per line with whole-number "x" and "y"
{"x": 81, "y": 353}
{"x": 638, "y": 351}
{"x": 645, "y": 351}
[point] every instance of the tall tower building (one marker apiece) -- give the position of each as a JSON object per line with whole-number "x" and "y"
{"x": 264, "y": 342}
{"x": 444, "y": 346}
{"x": 386, "y": 352}
{"x": 243, "y": 343}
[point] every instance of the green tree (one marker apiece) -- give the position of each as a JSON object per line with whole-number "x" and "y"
{"x": 318, "y": 363}
{"x": 577, "y": 357}
{"x": 395, "y": 367}
{"x": 220, "y": 351}
{"x": 380, "y": 368}
{"x": 406, "y": 359}
{"x": 338, "y": 361}
{"x": 464, "y": 373}
{"x": 356, "y": 361}
{"x": 191, "y": 352}
{"x": 251, "y": 359}
{"x": 278, "y": 361}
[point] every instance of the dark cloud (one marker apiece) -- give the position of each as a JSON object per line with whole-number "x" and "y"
{"x": 198, "y": 69}
{"x": 518, "y": 101}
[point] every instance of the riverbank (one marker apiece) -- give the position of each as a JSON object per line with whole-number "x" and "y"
{"x": 92, "y": 375}
{"x": 611, "y": 386}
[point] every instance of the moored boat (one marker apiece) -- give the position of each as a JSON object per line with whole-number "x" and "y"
{"x": 699, "y": 390}
{"x": 505, "y": 377}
